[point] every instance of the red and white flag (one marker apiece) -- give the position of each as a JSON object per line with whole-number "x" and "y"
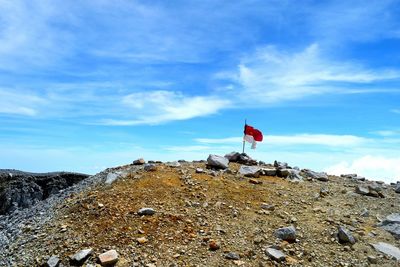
{"x": 252, "y": 135}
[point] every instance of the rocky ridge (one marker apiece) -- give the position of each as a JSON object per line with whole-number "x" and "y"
{"x": 208, "y": 213}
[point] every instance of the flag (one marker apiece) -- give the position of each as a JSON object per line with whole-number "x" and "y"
{"x": 252, "y": 135}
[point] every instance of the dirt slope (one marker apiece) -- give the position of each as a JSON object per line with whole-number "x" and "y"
{"x": 193, "y": 210}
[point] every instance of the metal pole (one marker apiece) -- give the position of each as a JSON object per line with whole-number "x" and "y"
{"x": 245, "y": 122}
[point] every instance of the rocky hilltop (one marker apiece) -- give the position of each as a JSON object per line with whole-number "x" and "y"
{"x": 224, "y": 211}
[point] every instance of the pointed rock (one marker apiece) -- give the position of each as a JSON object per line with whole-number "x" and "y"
{"x": 80, "y": 257}
{"x": 345, "y": 236}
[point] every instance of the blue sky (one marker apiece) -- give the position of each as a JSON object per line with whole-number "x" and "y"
{"x": 86, "y": 85}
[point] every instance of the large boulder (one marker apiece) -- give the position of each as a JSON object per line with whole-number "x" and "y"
{"x": 268, "y": 171}
{"x": 233, "y": 156}
{"x": 292, "y": 174}
{"x": 217, "y": 162}
{"x": 320, "y": 176}
{"x": 373, "y": 190}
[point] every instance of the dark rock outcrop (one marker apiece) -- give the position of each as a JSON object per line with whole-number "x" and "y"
{"x": 22, "y": 189}
{"x": 241, "y": 158}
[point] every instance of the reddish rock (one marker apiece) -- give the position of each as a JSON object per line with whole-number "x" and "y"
{"x": 254, "y": 181}
{"x": 213, "y": 245}
{"x": 108, "y": 258}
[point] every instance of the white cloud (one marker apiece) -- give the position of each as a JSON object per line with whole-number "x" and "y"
{"x": 297, "y": 139}
{"x": 270, "y": 75}
{"x": 187, "y": 148}
{"x": 219, "y": 140}
{"x": 387, "y": 133}
{"x": 19, "y": 103}
{"x": 372, "y": 167}
{"x": 163, "y": 106}
{"x": 396, "y": 111}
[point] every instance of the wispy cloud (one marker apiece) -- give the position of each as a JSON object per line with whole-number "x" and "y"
{"x": 163, "y": 106}
{"x": 26, "y": 104}
{"x": 354, "y": 21}
{"x": 188, "y": 148}
{"x": 396, "y": 111}
{"x": 387, "y": 133}
{"x": 219, "y": 140}
{"x": 270, "y": 75}
{"x": 297, "y": 139}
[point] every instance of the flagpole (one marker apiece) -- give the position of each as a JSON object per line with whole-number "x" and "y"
{"x": 245, "y": 122}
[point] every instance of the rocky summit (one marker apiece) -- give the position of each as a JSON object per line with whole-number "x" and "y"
{"x": 224, "y": 211}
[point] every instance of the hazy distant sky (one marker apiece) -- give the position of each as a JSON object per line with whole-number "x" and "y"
{"x": 86, "y": 85}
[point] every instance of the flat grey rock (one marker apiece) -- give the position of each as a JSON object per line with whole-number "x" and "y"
{"x": 387, "y": 249}
{"x": 275, "y": 254}
{"x": 320, "y": 176}
{"x": 111, "y": 177}
{"x": 250, "y": 171}
{"x": 53, "y": 261}
{"x": 392, "y": 224}
{"x": 392, "y": 218}
{"x": 232, "y": 256}
{"x": 393, "y": 228}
